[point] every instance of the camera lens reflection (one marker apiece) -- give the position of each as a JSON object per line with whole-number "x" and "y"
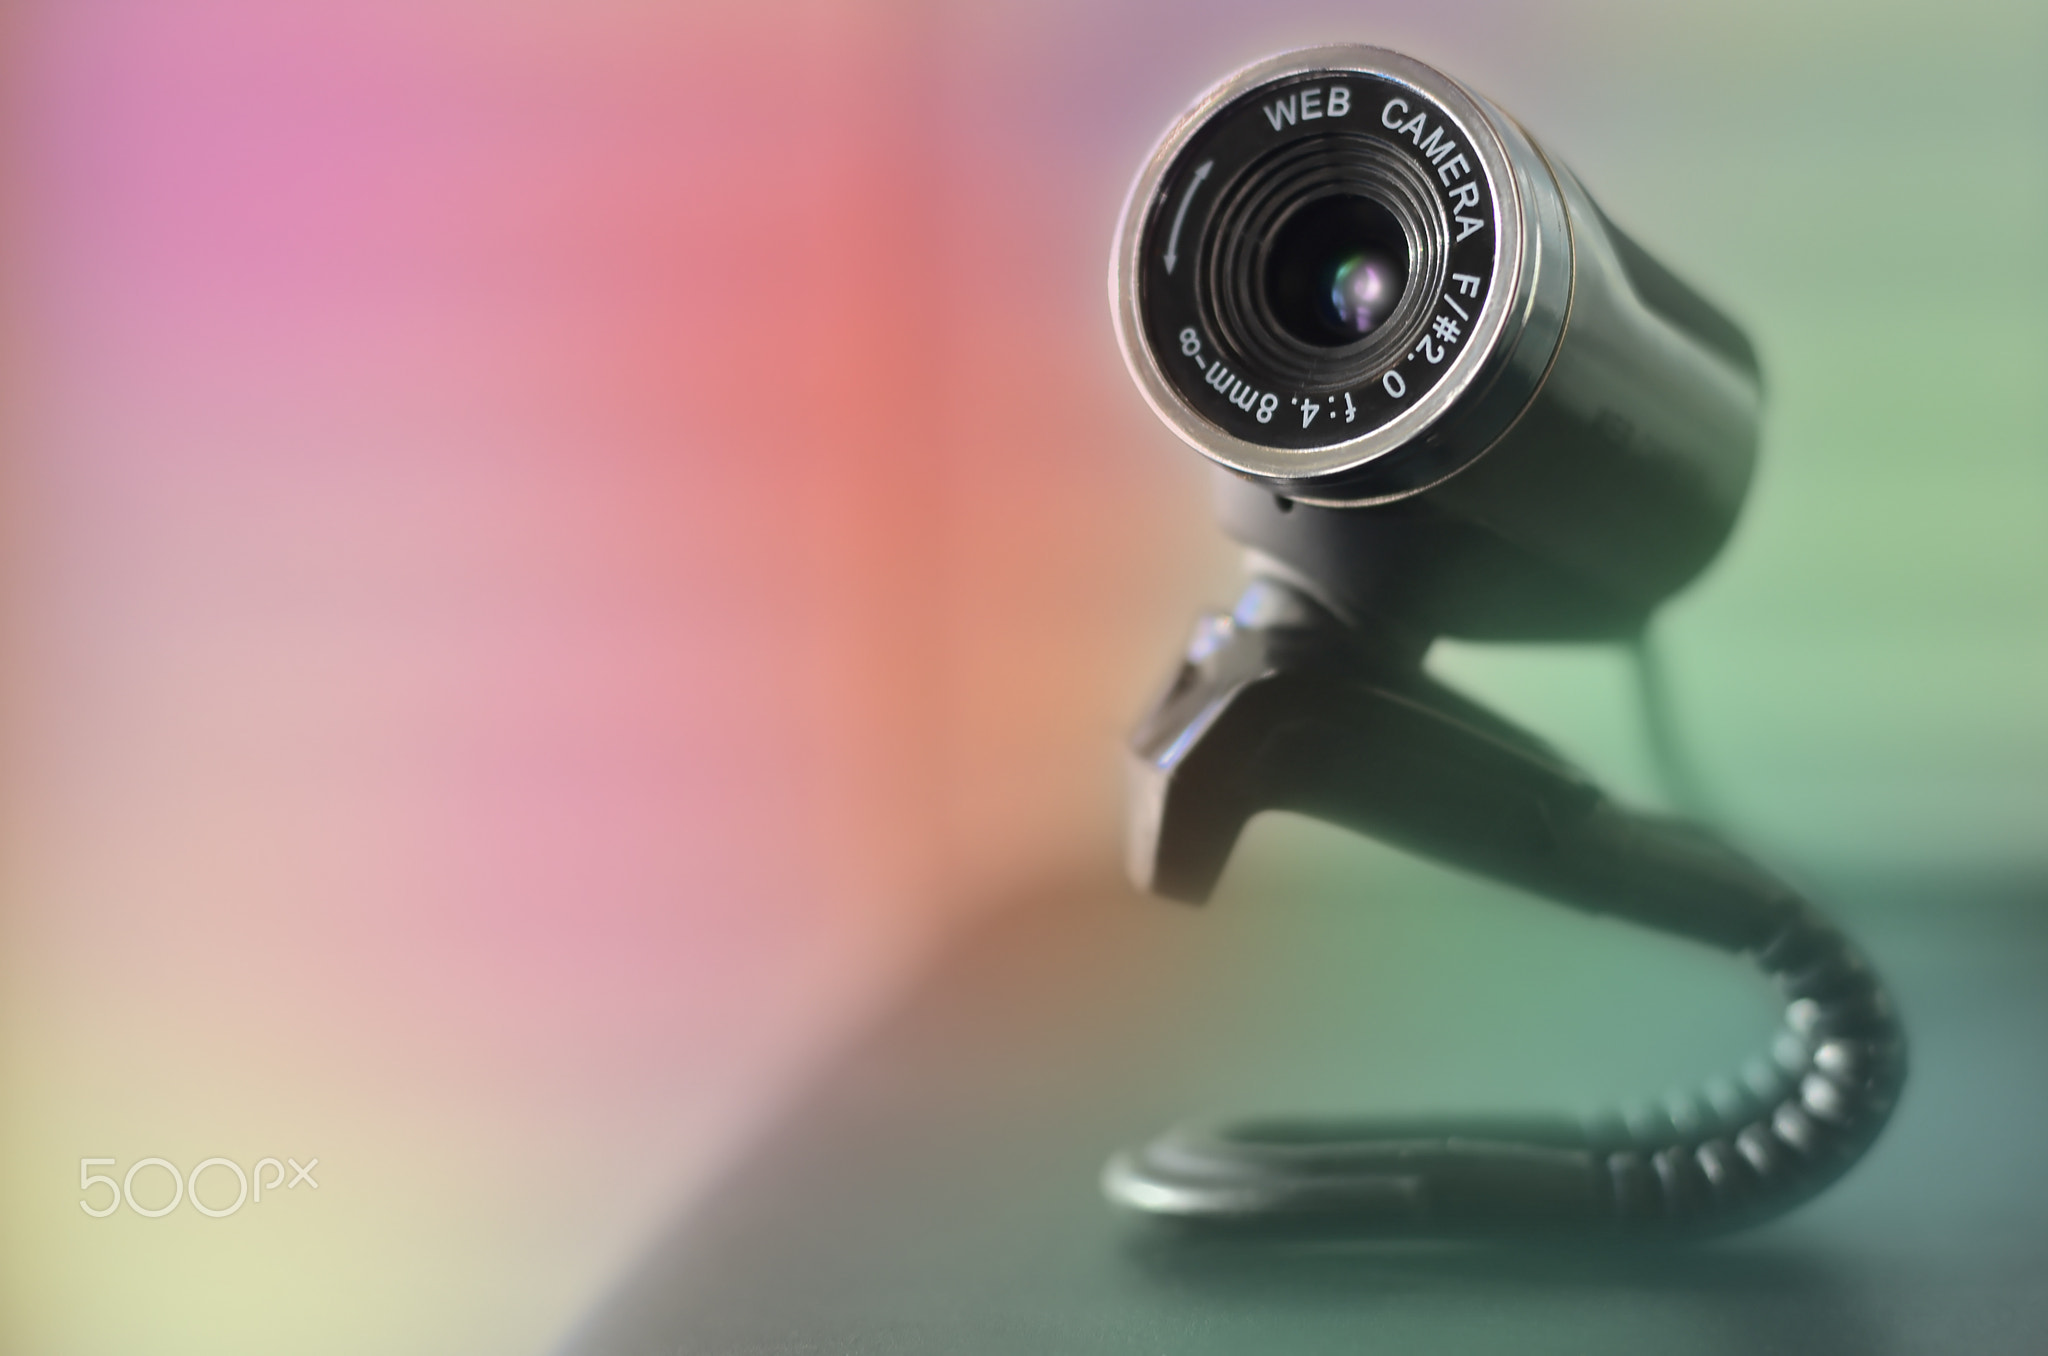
{"x": 1364, "y": 288}
{"x": 1336, "y": 270}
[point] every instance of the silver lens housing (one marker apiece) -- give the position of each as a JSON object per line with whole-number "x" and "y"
{"x": 1494, "y": 372}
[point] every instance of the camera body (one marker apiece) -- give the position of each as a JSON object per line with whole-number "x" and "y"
{"x": 1445, "y": 393}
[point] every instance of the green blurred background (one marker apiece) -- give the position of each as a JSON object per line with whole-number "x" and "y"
{"x": 1863, "y": 673}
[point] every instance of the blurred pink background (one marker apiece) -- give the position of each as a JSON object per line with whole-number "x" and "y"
{"x": 552, "y": 552}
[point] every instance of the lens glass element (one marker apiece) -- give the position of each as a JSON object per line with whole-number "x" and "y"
{"x": 1363, "y": 290}
{"x": 1337, "y": 270}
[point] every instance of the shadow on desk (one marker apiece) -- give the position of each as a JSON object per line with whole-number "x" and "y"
{"x": 1661, "y": 1297}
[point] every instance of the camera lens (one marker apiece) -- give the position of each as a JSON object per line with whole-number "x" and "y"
{"x": 1337, "y": 270}
{"x": 1319, "y": 261}
{"x": 1313, "y": 262}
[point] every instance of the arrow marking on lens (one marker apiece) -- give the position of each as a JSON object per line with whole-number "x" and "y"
{"x": 1181, "y": 216}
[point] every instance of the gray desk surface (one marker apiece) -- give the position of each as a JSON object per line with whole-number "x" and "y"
{"x": 935, "y": 1193}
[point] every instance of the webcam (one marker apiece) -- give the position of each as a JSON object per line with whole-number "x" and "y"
{"x": 1348, "y": 281}
{"x": 1445, "y": 396}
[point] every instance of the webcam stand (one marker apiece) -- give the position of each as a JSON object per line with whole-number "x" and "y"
{"x": 1282, "y": 705}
